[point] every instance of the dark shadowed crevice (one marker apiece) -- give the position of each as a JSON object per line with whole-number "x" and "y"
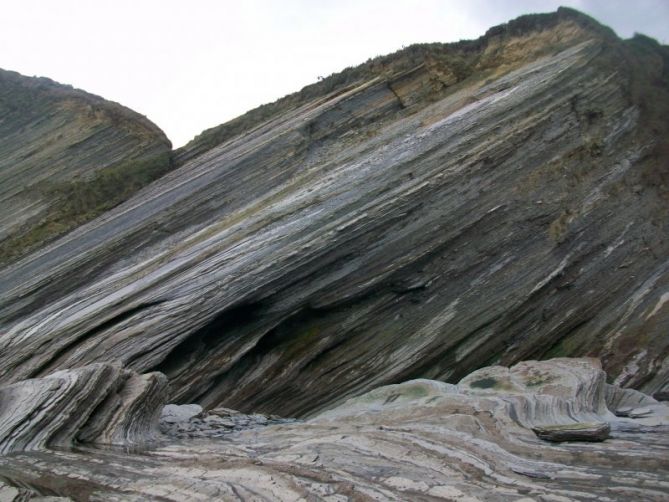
{"x": 208, "y": 336}
{"x": 286, "y": 338}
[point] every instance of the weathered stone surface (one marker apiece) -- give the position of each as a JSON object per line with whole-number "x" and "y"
{"x": 493, "y": 201}
{"x": 100, "y": 403}
{"x": 419, "y": 440}
{"x": 175, "y": 413}
{"x": 65, "y": 157}
{"x": 11, "y": 493}
{"x": 580, "y": 431}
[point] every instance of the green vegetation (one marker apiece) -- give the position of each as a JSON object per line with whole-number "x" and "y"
{"x": 81, "y": 200}
{"x": 76, "y": 202}
{"x": 535, "y": 22}
{"x": 460, "y": 59}
{"x": 538, "y": 379}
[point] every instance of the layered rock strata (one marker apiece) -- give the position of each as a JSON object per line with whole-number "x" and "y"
{"x": 499, "y": 200}
{"x": 66, "y": 156}
{"x": 100, "y": 403}
{"x": 419, "y": 440}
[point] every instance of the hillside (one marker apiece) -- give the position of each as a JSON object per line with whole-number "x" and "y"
{"x": 440, "y": 275}
{"x": 66, "y": 156}
{"x": 430, "y": 212}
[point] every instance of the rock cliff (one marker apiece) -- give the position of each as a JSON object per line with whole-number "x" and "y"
{"x": 65, "y": 157}
{"x": 428, "y": 213}
{"x": 419, "y": 440}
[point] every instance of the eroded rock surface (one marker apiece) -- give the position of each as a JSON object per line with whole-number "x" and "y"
{"x": 101, "y": 403}
{"x": 580, "y": 431}
{"x": 419, "y": 440}
{"x": 480, "y": 203}
{"x": 186, "y": 421}
{"x": 66, "y": 156}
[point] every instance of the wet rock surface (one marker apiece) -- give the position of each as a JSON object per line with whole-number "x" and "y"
{"x": 190, "y": 421}
{"x": 419, "y": 440}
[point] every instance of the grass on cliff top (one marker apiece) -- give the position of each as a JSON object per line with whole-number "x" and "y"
{"x": 458, "y": 57}
{"x": 73, "y": 203}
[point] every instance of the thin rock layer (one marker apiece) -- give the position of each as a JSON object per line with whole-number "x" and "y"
{"x": 99, "y": 403}
{"x": 419, "y": 440}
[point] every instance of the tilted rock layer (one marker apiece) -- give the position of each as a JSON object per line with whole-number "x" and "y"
{"x": 100, "y": 403}
{"x": 65, "y": 157}
{"x": 419, "y": 440}
{"x": 438, "y": 210}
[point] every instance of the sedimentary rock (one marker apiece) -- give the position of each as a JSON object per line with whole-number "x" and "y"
{"x": 100, "y": 403}
{"x": 65, "y": 157}
{"x": 14, "y": 494}
{"x": 419, "y": 440}
{"x": 427, "y": 214}
{"x": 181, "y": 422}
{"x": 580, "y": 431}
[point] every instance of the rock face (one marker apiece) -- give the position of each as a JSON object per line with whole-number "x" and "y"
{"x": 419, "y": 440}
{"x": 65, "y": 157}
{"x": 583, "y": 431}
{"x": 100, "y": 403}
{"x": 424, "y": 215}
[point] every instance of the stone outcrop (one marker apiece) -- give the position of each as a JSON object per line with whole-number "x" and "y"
{"x": 13, "y": 494}
{"x": 419, "y": 440}
{"x": 100, "y": 403}
{"x": 65, "y": 157}
{"x": 582, "y": 431}
{"x": 438, "y": 210}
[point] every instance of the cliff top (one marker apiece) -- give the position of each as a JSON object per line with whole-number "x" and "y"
{"x": 460, "y": 57}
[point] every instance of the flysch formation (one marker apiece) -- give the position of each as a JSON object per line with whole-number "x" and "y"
{"x": 419, "y": 440}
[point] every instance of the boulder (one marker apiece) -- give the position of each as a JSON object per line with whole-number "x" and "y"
{"x": 173, "y": 413}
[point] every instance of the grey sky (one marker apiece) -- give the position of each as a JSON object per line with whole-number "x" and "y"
{"x": 192, "y": 65}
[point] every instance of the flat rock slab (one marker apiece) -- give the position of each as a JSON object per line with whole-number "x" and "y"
{"x": 581, "y": 431}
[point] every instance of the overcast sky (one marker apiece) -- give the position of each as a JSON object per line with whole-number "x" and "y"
{"x": 192, "y": 65}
